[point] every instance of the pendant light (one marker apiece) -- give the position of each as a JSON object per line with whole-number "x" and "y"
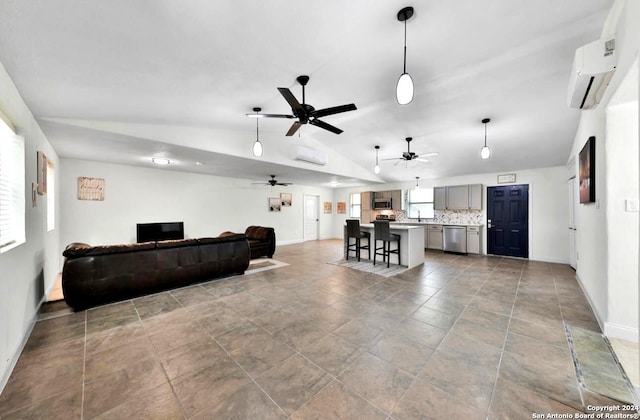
{"x": 257, "y": 146}
{"x": 485, "y": 152}
{"x": 376, "y": 169}
{"x": 417, "y": 185}
{"x": 404, "y": 88}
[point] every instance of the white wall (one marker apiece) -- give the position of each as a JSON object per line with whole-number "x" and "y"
{"x": 592, "y": 224}
{"x": 28, "y": 271}
{"x": 622, "y": 226}
{"x": 208, "y": 205}
{"x": 548, "y": 207}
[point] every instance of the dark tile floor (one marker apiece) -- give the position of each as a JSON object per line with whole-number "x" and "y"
{"x": 458, "y": 337}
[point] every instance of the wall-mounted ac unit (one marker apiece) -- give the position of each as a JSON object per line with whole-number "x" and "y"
{"x": 593, "y": 67}
{"x": 311, "y": 155}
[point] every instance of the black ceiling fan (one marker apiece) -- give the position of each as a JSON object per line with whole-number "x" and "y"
{"x": 273, "y": 182}
{"x": 409, "y": 155}
{"x": 306, "y": 113}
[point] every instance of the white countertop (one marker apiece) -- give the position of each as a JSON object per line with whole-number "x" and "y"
{"x": 393, "y": 225}
{"x": 435, "y": 223}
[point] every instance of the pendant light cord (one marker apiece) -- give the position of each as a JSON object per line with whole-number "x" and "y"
{"x": 485, "y": 135}
{"x": 404, "y": 70}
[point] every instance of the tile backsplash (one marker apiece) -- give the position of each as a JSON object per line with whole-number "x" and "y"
{"x": 463, "y": 217}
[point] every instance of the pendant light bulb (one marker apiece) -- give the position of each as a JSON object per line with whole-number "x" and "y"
{"x": 485, "y": 152}
{"x": 257, "y": 146}
{"x": 376, "y": 169}
{"x": 404, "y": 87}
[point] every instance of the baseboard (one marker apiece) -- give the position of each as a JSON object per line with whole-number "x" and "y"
{"x": 291, "y": 242}
{"x": 622, "y": 332}
{"x": 16, "y": 355}
{"x": 593, "y": 308}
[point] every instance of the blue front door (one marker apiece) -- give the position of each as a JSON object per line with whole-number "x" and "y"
{"x": 508, "y": 221}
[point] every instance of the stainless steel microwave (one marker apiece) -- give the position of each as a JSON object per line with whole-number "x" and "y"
{"x": 382, "y": 204}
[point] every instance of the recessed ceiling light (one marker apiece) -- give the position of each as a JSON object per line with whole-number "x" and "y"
{"x": 199, "y": 163}
{"x": 160, "y": 161}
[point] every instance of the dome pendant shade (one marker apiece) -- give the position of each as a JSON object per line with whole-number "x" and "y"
{"x": 404, "y": 89}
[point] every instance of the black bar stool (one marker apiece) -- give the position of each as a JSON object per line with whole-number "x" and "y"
{"x": 353, "y": 231}
{"x": 381, "y": 231}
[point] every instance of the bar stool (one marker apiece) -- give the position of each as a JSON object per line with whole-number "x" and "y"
{"x": 353, "y": 231}
{"x": 381, "y": 231}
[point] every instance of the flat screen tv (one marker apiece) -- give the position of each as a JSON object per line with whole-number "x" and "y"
{"x": 147, "y": 232}
{"x": 587, "y": 171}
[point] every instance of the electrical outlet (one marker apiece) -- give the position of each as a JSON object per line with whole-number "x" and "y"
{"x": 632, "y": 205}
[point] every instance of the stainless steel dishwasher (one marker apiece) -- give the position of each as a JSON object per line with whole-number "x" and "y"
{"x": 454, "y": 239}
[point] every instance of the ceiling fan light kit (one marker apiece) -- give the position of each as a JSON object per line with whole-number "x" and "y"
{"x": 376, "y": 169}
{"x": 257, "y": 146}
{"x": 404, "y": 87}
{"x": 485, "y": 152}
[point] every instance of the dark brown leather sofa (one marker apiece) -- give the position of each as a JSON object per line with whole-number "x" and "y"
{"x": 262, "y": 241}
{"x": 93, "y": 276}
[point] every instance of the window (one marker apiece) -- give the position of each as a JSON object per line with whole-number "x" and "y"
{"x": 354, "y": 205}
{"x": 420, "y": 204}
{"x": 12, "y": 190}
{"x": 51, "y": 197}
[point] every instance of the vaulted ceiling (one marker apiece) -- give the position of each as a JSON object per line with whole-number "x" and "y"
{"x": 122, "y": 81}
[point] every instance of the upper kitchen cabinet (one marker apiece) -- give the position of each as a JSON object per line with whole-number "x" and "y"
{"x": 365, "y": 200}
{"x": 458, "y": 197}
{"x": 440, "y": 198}
{"x": 475, "y": 197}
{"x": 397, "y": 203}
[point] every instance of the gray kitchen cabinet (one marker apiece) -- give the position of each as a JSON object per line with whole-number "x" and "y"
{"x": 458, "y": 197}
{"x": 397, "y": 203}
{"x": 382, "y": 195}
{"x": 434, "y": 236}
{"x": 440, "y": 198}
{"x": 473, "y": 239}
{"x": 475, "y": 197}
{"x": 365, "y": 200}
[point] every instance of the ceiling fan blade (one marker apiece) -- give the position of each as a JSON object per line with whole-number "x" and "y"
{"x": 324, "y": 125}
{"x": 393, "y": 159}
{"x": 269, "y": 116}
{"x": 288, "y": 96}
{"x": 284, "y": 184}
{"x": 427, "y": 154}
{"x": 333, "y": 110}
{"x": 296, "y": 125}
{"x": 421, "y": 160}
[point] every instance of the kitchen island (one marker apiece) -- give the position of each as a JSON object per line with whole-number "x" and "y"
{"x": 411, "y": 243}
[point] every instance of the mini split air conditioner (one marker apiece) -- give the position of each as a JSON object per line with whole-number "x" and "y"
{"x": 311, "y": 155}
{"x": 593, "y": 67}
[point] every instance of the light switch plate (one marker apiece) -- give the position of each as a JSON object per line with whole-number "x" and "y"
{"x": 632, "y": 205}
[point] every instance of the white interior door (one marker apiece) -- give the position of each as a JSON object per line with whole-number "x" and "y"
{"x": 311, "y": 217}
{"x": 573, "y": 260}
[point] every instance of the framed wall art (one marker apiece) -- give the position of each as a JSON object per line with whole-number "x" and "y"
{"x": 327, "y": 207}
{"x": 90, "y": 188}
{"x": 274, "y": 204}
{"x": 587, "y": 171}
{"x": 285, "y": 199}
{"x": 42, "y": 173}
{"x": 341, "y": 207}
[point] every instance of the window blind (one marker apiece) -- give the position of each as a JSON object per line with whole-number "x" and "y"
{"x": 12, "y": 189}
